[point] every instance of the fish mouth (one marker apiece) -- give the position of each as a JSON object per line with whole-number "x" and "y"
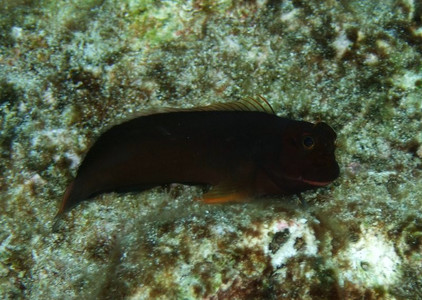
{"x": 310, "y": 182}
{"x": 315, "y": 183}
{"x": 279, "y": 177}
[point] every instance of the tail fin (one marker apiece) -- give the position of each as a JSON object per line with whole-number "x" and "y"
{"x": 66, "y": 202}
{"x": 64, "y": 206}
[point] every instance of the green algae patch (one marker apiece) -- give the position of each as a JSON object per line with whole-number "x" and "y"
{"x": 156, "y": 23}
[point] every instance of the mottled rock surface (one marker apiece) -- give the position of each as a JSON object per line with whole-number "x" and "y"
{"x": 71, "y": 69}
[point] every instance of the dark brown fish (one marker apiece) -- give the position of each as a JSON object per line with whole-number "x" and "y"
{"x": 240, "y": 149}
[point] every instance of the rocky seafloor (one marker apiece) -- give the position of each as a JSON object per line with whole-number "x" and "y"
{"x": 69, "y": 70}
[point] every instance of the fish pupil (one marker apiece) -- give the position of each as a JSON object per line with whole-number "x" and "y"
{"x": 308, "y": 142}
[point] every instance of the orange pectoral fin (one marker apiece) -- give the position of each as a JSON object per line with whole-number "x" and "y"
{"x": 214, "y": 199}
{"x": 224, "y": 193}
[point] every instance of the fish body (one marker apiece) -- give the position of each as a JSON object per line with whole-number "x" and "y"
{"x": 240, "y": 154}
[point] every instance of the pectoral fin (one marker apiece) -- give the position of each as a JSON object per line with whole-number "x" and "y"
{"x": 224, "y": 193}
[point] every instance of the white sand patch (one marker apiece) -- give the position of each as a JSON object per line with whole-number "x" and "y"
{"x": 370, "y": 262}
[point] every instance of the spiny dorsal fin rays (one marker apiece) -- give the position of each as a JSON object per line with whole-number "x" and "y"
{"x": 248, "y": 104}
{"x": 269, "y": 108}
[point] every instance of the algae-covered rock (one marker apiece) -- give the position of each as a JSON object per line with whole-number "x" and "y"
{"x": 70, "y": 70}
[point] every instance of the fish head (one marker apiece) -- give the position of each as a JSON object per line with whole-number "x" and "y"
{"x": 307, "y": 157}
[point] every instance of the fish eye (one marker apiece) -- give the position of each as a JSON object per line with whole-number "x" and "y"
{"x": 308, "y": 142}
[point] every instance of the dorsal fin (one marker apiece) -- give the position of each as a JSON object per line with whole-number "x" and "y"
{"x": 247, "y": 104}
